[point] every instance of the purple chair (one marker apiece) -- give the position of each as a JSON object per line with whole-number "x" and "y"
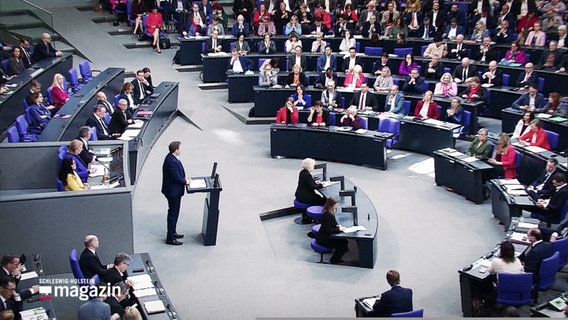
{"x": 552, "y": 139}
{"x": 85, "y": 70}
{"x": 514, "y": 289}
{"x": 560, "y": 246}
{"x": 12, "y": 134}
{"x": 316, "y": 229}
{"x": 410, "y": 314}
{"x": 373, "y": 51}
{"x": 23, "y": 130}
{"x": 391, "y": 126}
{"x": 319, "y": 249}
{"x": 74, "y": 80}
{"x": 314, "y": 212}
{"x": 93, "y": 134}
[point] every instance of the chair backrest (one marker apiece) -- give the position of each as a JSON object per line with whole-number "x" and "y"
{"x": 539, "y": 81}
{"x": 406, "y": 107}
{"x": 62, "y": 151}
{"x": 332, "y": 118}
{"x": 28, "y": 116}
{"x": 373, "y": 51}
{"x": 116, "y": 99}
{"x": 93, "y": 134}
{"x": 389, "y": 125}
{"x": 4, "y": 65}
{"x": 552, "y": 139}
{"x": 506, "y": 78}
{"x": 514, "y": 289}
{"x": 75, "y": 268}
{"x": 49, "y": 96}
{"x": 12, "y": 134}
{"x": 422, "y": 49}
{"x": 518, "y": 158}
{"x": 364, "y": 122}
{"x": 22, "y": 125}
{"x": 85, "y": 69}
{"x": 308, "y": 99}
{"x": 260, "y": 62}
{"x": 107, "y": 118}
{"x": 547, "y": 272}
{"x": 410, "y": 314}
{"x": 73, "y": 77}
{"x": 401, "y": 52}
{"x": 60, "y": 185}
{"x": 94, "y": 280}
{"x": 561, "y": 246}
{"x": 491, "y": 149}
{"x": 447, "y": 70}
{"x": 466, "y": 120}
{"x": 357, "y": 46}
{"x": 25, "y": 103}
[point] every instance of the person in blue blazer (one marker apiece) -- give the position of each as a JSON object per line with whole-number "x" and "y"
{"x": 173, "y": 188}
{"x": 394, "y": 102}
{"x": 453, "y": 29}
{"x": 523, "y": 102}
{"x": 414, "y": 83}
{"x": 322, "y": 60}
{"x": 426, "y": 29}
{"x": 245, "y": 63}
{"x": 395, "y": 300}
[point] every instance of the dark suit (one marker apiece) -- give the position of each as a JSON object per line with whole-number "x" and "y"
{"x": 173, "y": 188}
{"x": 26, "y": 56}
{"x": 112, "y": 276}
{"x": 321, "y": 62}
{"x": 395, "y": 300}
{"x": 93, "y": 122}
{"x": 302, "y": 78}
{"x": 303, "y": 62}
{"x": 555, "y": 203}
{"x": 322, "y": 79}
{"x": 477, "y": 54}
{"x": 326, "y": 99}
{"x": 524, "y": 99}
{"x": 417, "y": 87}
{"x": 555, "y": 61}
{"x": 85, "y": 154}
{"x": 458, "y": 72}
{"x": 115, "y": 306}
{"x": 209, "y": 45}
{"x": 438, "y": 71}
{"x": 545, "y": 179}
{"x": 495, "y": 81}
{"x": 462, "y": 53}
{"x": 430, "y": 34}
{"x": 91, "y": 264}
{"x": 533, "y": 256}
{"x": 521, "y": 79}
{"x": 119, "y": 121}
{"x": 322, "y": 29}
{"x": 43, "y": 50}
{"x": 305, "y": 189}
{"x": 23, "y": 294}
{"x": 370, "y": 100}
{"x": 346, "y": 63}
{"x": 15, "y": 306}
{"x": 440, "y": 19}
{"x": 138, "y": 86}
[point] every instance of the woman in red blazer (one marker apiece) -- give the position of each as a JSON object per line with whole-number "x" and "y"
{"x": 58, "y": 92}
{"x": 154, "y": 24}
{"x": 426, "y": 108}
{"x": 536, "y": 136}
{"x": 288, "y": 113}
{"x": 505, "y": 157}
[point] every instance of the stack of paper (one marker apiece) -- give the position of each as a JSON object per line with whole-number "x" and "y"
{"x": 155, "y": 306}
{"x": 145, "y": 292}
{"x": 197, "y": 183}
{"x": 433, "y": 122}
{"x": 509, "y": 181}
{"x": 370, "y": 302}
{"x": 470, "y": 159}
{"x": 354, "y": 229}
{"x": 34, "y": 314}
{"x": 535, "y": 149}
{"x": 519, "y": 238}
{"x": 142, "y": 281}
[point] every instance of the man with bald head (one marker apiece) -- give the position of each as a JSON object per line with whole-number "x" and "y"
{"x": 43, "y": 49}
{"x": 89, "y": 261}
{"x": 464, "y": 71}
{"x": 102, "y": 100}
{"x": 492, "y": 76}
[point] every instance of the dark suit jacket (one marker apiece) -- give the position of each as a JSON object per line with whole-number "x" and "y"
{"x": 456, "y": 55}
{"x": 305, "y": 189}
{"x": 136, "y": 91}
{"x": 440, "y": 19}
{"x": 322, "y": 77}
{"x": 23, "y": 294}
{"x": 173, "y": 183}
{"x": 85, "y": 155}
{"x": 323, "y": 28}
{"x": 535, "y": 255}
{"x": 370, "y": 100}
{"x": 91, "y": 264}
{"x": 557, "y": 201}
{"x": 15, "y": 306}
{"x": 115, "y": 306}
{"x": 27, "y": 63}
{"x": 547, "y": 189}
{"x": 495, "y": 81}
{"x": 112, "y": 276}
{"x": 555, "y": 62}
{"x": 303, "y": 62}
{"x": 431, "y": 31}
{"x": 397, "y": 299}
{"x": 418, "y": 87}
{"x": 94, "y": 123}
{"x": 524, "y": 99}
{"x": 458, "y": 72}
{"x": 459, "y": 30}
{"x": 42, "y": 51}
{"x": 303, "y": 79}
{"x": 439, "y": 68}
{"x": 346, "y": 63}
{"x": 521, "y": 79}
{"x": 477, "y": 54}
{"x": 321, "y": 63}
{"x": 118, "y": 123}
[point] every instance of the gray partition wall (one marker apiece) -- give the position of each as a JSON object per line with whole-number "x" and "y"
{"x": 36, "y": 218}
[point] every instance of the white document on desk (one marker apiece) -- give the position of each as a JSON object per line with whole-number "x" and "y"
{"x": 515, "y": 187}
{"x": 131, "y": 132}
{"x": 455, "y": 154}
{"x": 140, "y": 278}
{"x": 99, "y": 170}
{"x": 433, "y": 122}
{"x": 517, "y": 192}
{"x": 28, "y": 275}
{"x": 136, "y": 125}
{"x": 154, "y": 306}
{"x": 354, "y": 229}
{"x": 369, "y": 302}
{"x": 145, "y": 292}
{"x": 197, "y": 184}
{"x": 509, "y": 181}
{"x": 535, "y": 149}
{"x": 470, "y": 159}
{"x": 107, "y": 186}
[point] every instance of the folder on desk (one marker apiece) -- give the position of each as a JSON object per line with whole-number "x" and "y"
{"x": 518, "y": 237}
{"x": 523, "y": 201}
{"x": 369, "y": 302}
{"x": 557, "y": 304}
{"x": 508, "y": 181}
{"x": 558, "y": 119}
{"x": 155, "y": 306}
{"x": 197, "y": 184}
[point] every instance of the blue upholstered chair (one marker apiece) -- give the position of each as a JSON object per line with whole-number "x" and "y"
{"x": 12, "y": 134}
{"x": 410, "y": 314}
{"x": 514, "y": 289}
{"x": 316, "y": 229}
{"x": 550, "y": 221}
{"x": 85, "y": 70}
{"x": 314, "y": 212}
{"x": 319, "y": 249}
{"x": 406, "y": 107}
{"x": 546, "y": 274}
{"x": 401, "y": 52}
{"x": 539, "y": 81}
{"x": 506, "y": 79}
{"x": 422, "y": 49}
{"x": 392, "y": 126}
{"x": 49, "y": 96}
{"x": 94, "y": 280}
{"x": 74, "y": 80}
{"x": 23, "y": 130}
{"x": 332, "y": 117}
{"x": 561, "y": 246}
{"x": 107, "y": 118}
{"x": 93, "y": 134}
{"x": 552, "y": 139}
{"x": 466, "y": 121}
{"x": 373, "y": 51}
{"x": 59, "y": 184}
{"x": 4, "y": 65}
{"x": 75, "y": 268}
{"x": 364, "y": 123}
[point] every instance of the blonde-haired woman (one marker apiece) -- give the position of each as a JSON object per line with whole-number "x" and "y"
{"x": 58, "y": 92}
{"x": 307, "y": 184}
{"x": 446, "y": 87}
{"x": 384, "y": 81}
{"x": 355, "y": 78}
{"x": 504, "y": 158}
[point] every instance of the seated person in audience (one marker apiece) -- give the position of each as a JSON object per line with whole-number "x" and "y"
{"x": 433, "y": 69}
{"x": 215, "y": 26}
{"x": 326, "y": 77}
{"x": 141, "y": 88}
{"x": 492, "y": 76}
{"x": 117, "y": 272}
{"x": 485, "y": 52}
{"x": 301, "y": 99}
{"x": 318, "y": 116}
{"x": 115, "y": 301}
{"x": 73, "y": 150}
{"x": 89, "y": 260}
{"x": 292, "y": 42}
{"x": 371, "y": 27}
{"x": 41, "y": 115}
{"x": 127, "y": 93}
{"x": 364, "y": 100}
{"x": 527, "y": 77}
{"x": 526, "y": 24}
{"x": 479, "y": 32}
{"x": 562, "y": 36}
{"x": 96, "y": 120}
{"x": 193, "y": 28}
{"x": 238, "y": 63}
{"x": 288, "y": 114}
{"x": 355, "y": 78}
{"x": 515, "y": 54}
{"x": 394, "y": 103}
{"x": 326, "y": 60}
{"x": 536, "y": 136}
{"x": 457, "y": 50}
{"x": 69, "y": 177}
{"x": 120, "y": 119}
{"x": 474, "y": 91}
{"x": 407, "y": 65}
{"x": 319, "y": 27}
{"x": 537, "y": 251}
{"x": 395, "y": 300}
{"x": 384, "y": 63}
{"x": 506, "y": 262}
{"x": 102, "y": 100}
{"x": 523, "y": 126}
{"x": 551, "y": 206}
{"x": 84, "y": 136}
{"x": 318, "y": 46}
{"x": 330, "y": 97}
{"x": 464, "y": 71}
{"x": 351, "y": 119}
{"x": 43, "y": 49}
{"x": 213, "y": 44}
{"x": 266, "y": 26}
{"x": 15, "y": 63}
{"x": 435, "y": 48}
{"x": 347, "y": 42}
{"x": 281, "y": 17}
{"x": 137, "y": 12}
{"x": 427, "y": 108}
{"x": 11, "y": 268}
{"x": 414, "y": 83}
{"x": 267, "y": 77}
{"x": 340, "y": 27}
{"x": 298, "y": 58}
{"x": 267, "y": 46}
{"x": 324, "y": 15}
{"x": 58, "y": 92}
{"x": 293, "y": 27}
{"x": 11, "y": 300}
{"x": 504, "y": 160}
{"x": 274, "y": 62}
{"x": 413, "y": 19}
{"x": 241, "y": 44}
{"x": 536, "y": 37}
{"x": 26, "y": 53}
{"x": 480, "y": 147}
{"x": 446, "y": 87}
{"x": 307, "y": 185}
{"x": 551, "y": 58}
{"x": 504, "y": 34}
{"x": 296, "y": 77}
{"x": 452, "y": 30}
{"x": 95, "y": 308}
{"x": 305, "y": 17}
{"x": 328, "y": 227}
{"x": 553, "y": 106}
{"x": 396, "y": 28}
{"x": 240, "y": 26}
{"x": 455, "y": 112}
{"x": 426, "y": 30}
{"x": 542, "y": 187}
{"x": 351, "y": 61}
{"x": 531, "y": 100}
{"x": 384, "y": 81}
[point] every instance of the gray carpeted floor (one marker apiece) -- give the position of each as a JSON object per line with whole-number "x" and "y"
{"x": 266, "y": 269}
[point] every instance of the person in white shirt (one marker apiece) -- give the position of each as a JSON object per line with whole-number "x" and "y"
{"x": 506, "y": 261}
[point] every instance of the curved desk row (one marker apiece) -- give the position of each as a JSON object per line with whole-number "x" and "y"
{"x": 301, "y": 141}
{"x": 80, "y": 106}
{"x": 11, "y": 103}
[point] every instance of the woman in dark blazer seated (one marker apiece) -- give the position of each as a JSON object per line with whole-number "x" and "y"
{"x": 305, "y": 191}
{"x": 267, "y": 45}
{"x": 126, "y": 94}
{"x": 328, "y": 227}
{"x": 454, "y": 113}
{"x": 296, "y": 77}
{"x": 39, "y": 112}
{"x": 318, "y": 116}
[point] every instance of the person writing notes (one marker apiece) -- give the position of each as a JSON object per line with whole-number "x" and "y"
{"x": 328, "y": 227}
